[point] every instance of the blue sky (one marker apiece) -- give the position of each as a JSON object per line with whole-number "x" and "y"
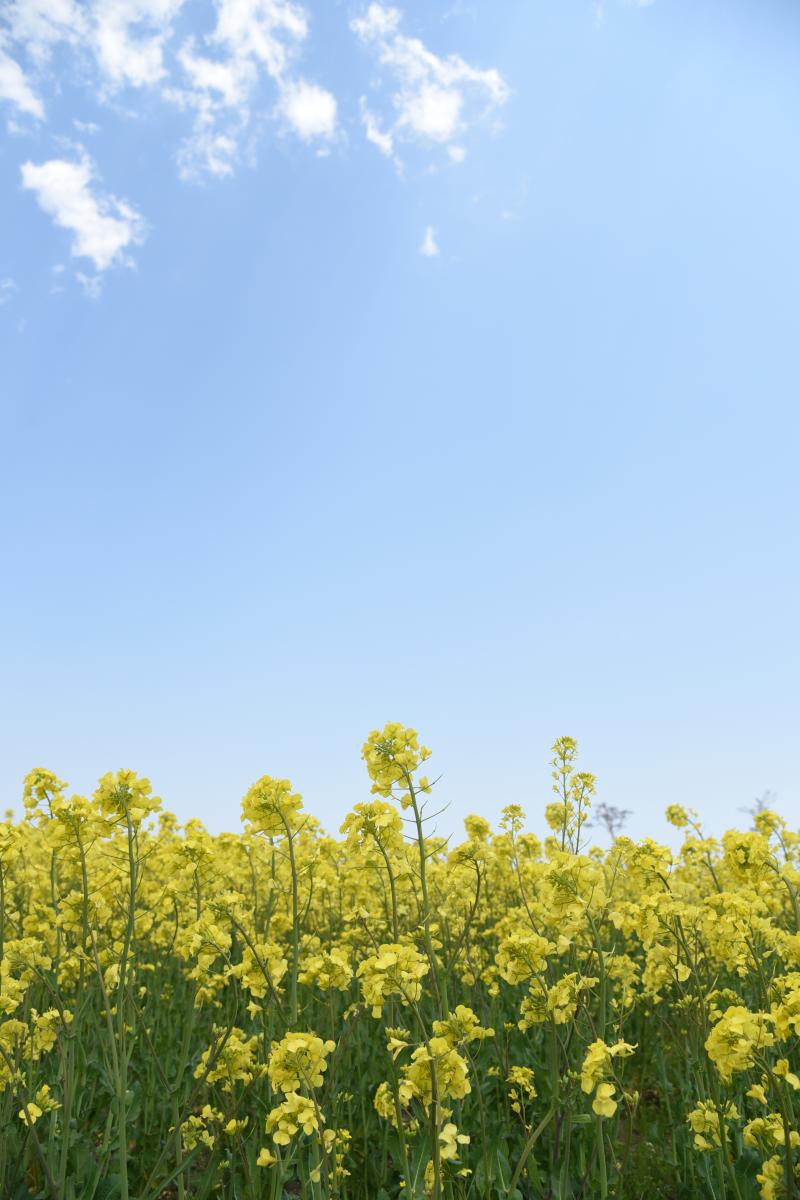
{"x": 436, "y": 365}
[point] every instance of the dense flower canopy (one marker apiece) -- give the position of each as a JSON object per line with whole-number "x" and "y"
{"x": 389, "y": 1014}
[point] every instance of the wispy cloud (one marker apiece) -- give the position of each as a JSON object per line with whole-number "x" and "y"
{"x": 15, "y": 87}
{"x": 103, "y": 227}
{"x": 600, "y": 8}
{"x": 429, "y": 247}
{"x": 252, "y": 40}
{"x": 91, "y": 285}
{"x": 7, "y": 289}
{"x": 129, "y": 36}
{"x": 138, "y": 45}
{"x": 87, "y": 127}
{"x": 218, "y": 78}
{"x": 382, "y": 138}
{"x": 234, "y": 68}
{"x": 433, "y": 100}
{"x": 126, "y": 39}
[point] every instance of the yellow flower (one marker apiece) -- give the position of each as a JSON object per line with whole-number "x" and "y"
{"x": 396, "y": 1046}
{"x": 522, "y": 1088}
{"x": 597, "y": 1062}
{"x": 781, "y": 1069}
{"x": 159, "y": 935}
{"x": 329, "y": 970}
{"x": 124, "y": 797}
{"x": 705, "y": 1123}
{"x": 449, "y": 1141}
{"x": 32, "y": 1115}
{"x": 604, "y": 1103}
{"x": 374, "y": 821}
{"x": 231, "y": 1059}
{"x": 769, "y": 1132}
{"x": 478, "y": 828}
{"x": 396, "y": 970}
{"x": 297, "y": 1061}
{"x": 41, "y": 788}
{"x": 461, "y": 1027}
{"x": 521, "y": 956}
{"x": 452, "y": 1079}
{"x": 42, "y": 1103}
{"x": 296, "y": 1113}
{"x": 771, "y": 1178}
{"x": 522, "y": 1077}
{"x": 271, "y": 807}
{"x": 735, "y": 1039}
{"x": 392, "y": 756}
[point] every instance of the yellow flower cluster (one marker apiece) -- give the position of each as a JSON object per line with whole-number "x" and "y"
{"x": 396, "y": 970}
{"x": 298, "y": 1062}
{"x": 736, "y": 1038}
{"x": 510, "y": 1015}
{"x": 706, "y": 1122}
{"x": 597, "y": 1065}
{"x": 392, "y": 755}
{"x": 271, "y": 807}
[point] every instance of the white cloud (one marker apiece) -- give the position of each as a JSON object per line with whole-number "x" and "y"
{"x": 251, "y": 38}
{"x": 38, "y": 25}
{"x": 378, "y": 22}
{"x": 373, "y": 132}
{"x": 600, "y": 9}
{"x": 264, "y": 30}
{"x": 128, "y": 37}
{"x": 7, "y": 289}
{"x": 432, "y": 111}
{"x": 86, "y": 127}
{"x": 92, "y": 285}
{"x": 207, "y": 152}
{"x": 103, "y": 226}
{"x": 215, "y": 79}
{"x": 125, "y": 37}
{"x": 310, "y": 110}
{"x": 231, "y": 80}
{"x": 429, "y": 247}
{"x": 14, "y": 86}
{"x": 431, "y": 94}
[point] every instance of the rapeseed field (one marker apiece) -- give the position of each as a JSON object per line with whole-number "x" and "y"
{"x": 384, "y": 1014}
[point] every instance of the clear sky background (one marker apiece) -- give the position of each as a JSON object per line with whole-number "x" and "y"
{"x": 344, "y": 380}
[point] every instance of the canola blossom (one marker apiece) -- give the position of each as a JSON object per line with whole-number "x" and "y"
{"x": 386, "y": 1014}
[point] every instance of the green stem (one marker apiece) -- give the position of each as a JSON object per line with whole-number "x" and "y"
{"x": 601, "y": 1153}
